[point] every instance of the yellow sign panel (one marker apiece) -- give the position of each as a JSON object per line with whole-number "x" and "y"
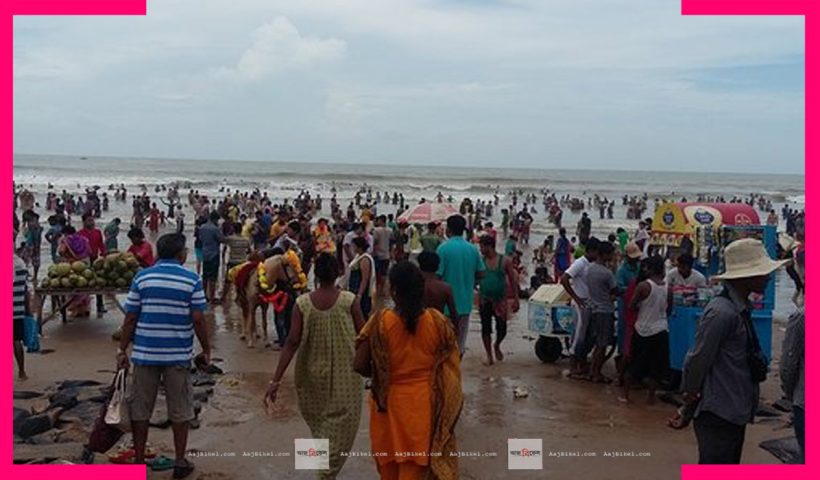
{"x": 702, "y": 216}
{"x": 669, "y": 218}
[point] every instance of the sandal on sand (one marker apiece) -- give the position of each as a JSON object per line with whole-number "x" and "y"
{"x": 127, "y": 455}
{"x": 183, "y": 470}
{"x": 579, "y": 376}
{"x": 161, "y": 464}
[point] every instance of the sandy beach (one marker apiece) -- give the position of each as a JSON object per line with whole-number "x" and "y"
{"x": 239, "y": 439}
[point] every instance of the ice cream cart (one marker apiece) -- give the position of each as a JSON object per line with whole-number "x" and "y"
{"x": 552, "y": 318}
{"x": 706, "y": 229}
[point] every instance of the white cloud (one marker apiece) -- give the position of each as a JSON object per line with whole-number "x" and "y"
{"x": 279, "y": 46}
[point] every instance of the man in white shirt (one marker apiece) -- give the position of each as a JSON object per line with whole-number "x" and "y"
{"x": 684, "y": 275}
{"x": 574, "y": 281}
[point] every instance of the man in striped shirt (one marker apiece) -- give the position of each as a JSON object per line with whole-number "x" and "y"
{"x": 164, "y": 310}
{"x": 20, "y": 295}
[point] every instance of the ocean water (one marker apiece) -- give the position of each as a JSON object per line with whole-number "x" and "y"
{"x": 286, "y": 180}
{"x": 283, "y": 180}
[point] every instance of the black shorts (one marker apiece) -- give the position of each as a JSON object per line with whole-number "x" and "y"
{"x": 486, "y": 311}
{"x": 210, "y": 269}
{"x": 600, "y": 329}
{"x": 650, "y": 357}
{"x": 382, "y": 266}
{"x": 19, "y": 329}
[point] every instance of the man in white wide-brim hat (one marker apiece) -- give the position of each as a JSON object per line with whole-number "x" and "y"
{"x": 719, "y": 388}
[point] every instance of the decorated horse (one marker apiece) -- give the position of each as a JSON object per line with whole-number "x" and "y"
{"x": 275, "y": 281}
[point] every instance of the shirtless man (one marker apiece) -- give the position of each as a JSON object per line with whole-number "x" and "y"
{"x": 437, "y": 293}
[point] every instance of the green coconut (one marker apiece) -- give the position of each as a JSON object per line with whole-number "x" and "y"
{"x": 55, "y": 283}
{"x": 128, "y": 275}
{"x": 121, "y": 282}
{"x": 99, "y": 264}
{"x": 101, "y": 282}
{"x": 88, "y": 274}
{"x": 63, "y": 269}
{"x": 78, "y": 266}
{"x": 52, "y": 271}
{"x": 45, "y": 283}
{"x": 65, "y": 282}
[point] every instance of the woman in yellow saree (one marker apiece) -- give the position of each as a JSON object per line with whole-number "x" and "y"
{"x": 413, "y": 357}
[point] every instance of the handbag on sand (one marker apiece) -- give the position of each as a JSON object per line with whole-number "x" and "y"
{"x": 117, "y": 414}
{"x": 103, "y": 436}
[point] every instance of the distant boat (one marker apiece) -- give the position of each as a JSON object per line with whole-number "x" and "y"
{"x": 83, "y": 158}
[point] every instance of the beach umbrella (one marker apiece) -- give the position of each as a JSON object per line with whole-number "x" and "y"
{"x": 428, "y": 212}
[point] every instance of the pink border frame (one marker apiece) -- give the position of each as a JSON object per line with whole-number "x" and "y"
{"x": 9, "y": 8}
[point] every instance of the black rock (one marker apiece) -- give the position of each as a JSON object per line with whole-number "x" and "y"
{"x": 783, "y": 405}
{"x": 78, "y": 383}
{"x": 26, "y": 395}
{"x": 20, "y": 416}
{"x": 65, "y": 399}
{"x": 785, "y": 449}
{"x": 46, "y": 438}
{"x": 34, "y": 425}
{"x": 84, "y": 413}
{"x": 193, "y": 424}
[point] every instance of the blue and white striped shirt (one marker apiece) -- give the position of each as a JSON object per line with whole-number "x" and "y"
{"x": 163, "y": 297}
{"x": 20, "y": 288}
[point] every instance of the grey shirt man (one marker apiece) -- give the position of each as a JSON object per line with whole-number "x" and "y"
{"x": 601, "y": 283}
{"x": 211, "y": 237}
{"x": 717, "y": 366}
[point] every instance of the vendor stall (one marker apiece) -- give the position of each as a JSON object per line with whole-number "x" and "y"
{"x": 705, "y": 230}
{"x": 550, "y": 315}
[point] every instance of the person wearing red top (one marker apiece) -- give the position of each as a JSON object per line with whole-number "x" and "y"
{"x": 94, "y": 236}
{"x": 140, "y": 248}
{"x": 153, "y": 220}
{"x": 97, "y": 246}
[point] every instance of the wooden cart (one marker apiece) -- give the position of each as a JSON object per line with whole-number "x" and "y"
{"x": 61, "y": 298}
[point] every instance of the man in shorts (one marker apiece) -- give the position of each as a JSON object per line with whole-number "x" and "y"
{"x": 603, "y": 289}
{"x": 163, "y": 338}
{"x": 495, "y": 287}
{"x": 211, "y": 237}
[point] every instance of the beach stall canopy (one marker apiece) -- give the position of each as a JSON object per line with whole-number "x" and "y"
{"x": 674, "y": 221}
{"x": 428, "y": 212}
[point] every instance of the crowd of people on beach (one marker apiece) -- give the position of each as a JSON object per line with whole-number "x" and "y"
{"x": 391, "y": 303}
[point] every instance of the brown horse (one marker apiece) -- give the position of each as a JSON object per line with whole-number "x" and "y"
{"x": 277, "y": 271}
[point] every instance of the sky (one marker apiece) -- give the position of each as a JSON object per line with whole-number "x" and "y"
{"x": 609, "y": 84}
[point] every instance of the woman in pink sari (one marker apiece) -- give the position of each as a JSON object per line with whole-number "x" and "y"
{"x": 75, "y": 247}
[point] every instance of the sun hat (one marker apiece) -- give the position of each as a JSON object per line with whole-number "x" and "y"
{"x": 747, "y": 258}
{"x": 632, "y": 250}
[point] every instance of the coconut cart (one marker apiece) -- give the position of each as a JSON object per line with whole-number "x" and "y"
{"x": 108, "y": 277}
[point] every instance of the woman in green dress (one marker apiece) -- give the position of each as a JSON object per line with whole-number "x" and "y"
{"x": 323, "y": 329}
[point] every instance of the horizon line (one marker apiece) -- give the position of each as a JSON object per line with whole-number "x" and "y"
{"x": 353, "y": 164}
